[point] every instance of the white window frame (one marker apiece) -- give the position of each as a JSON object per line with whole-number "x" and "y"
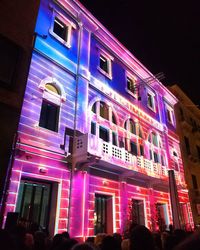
{"x": 169, "y": 109}
{"x": 109, "y": 59}
{"x": 68, "y": 24}
{"x": 134, "y": 80}
{"x": 153, "y": 96}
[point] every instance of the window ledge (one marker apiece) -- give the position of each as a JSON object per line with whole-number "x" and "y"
{"x": 131, "y": 93}
{"x": 105, "y": 73}
{"x": 65, "y": 43}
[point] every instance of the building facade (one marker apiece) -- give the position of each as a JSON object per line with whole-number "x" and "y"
{"x": 96, "y": 136}
{"x": 188, "y": 128}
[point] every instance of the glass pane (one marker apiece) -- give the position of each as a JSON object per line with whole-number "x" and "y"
{"x": 26, "y": 206}
{"x": 104, "y": 110}
{"x": 52, "y": 88}
{"x": 60, "y": 29}
{"x": 104, "y": 64}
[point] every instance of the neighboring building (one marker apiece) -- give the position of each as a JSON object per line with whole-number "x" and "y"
{"x": 96, "y": 136}
{"x": 188, "y": 128}
{"x": 16, "y": 41}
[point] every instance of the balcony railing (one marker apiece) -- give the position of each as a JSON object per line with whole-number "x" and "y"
{"x": 90, "y": 145}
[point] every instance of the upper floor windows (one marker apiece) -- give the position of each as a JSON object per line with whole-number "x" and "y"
{"x": 53, "y": 94}
{"x": 61, "y": 29}
{"x": 130, "y": 126}
{"x": 153, "y": 139}
{"x": 187, "y": 145}
{"x": 105, "y": 62}
{"x": 151, "y": 100}
{"x": 169, "y": 114}
{"x": 49, "y": 115}
{"x": 131, "y": 85}
{"x": 103, "y": 110}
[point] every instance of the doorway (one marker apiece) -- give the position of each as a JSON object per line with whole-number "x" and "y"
{"x": 162, "y": 218}
{"x": 103, "y": 214}
{"x": 33, "y": 204}
{"x": 137, "y": 212}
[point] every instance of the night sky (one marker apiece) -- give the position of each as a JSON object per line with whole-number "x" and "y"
{"x": 163, "y": 35}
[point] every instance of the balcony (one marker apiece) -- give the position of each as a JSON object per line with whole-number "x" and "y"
{"x": 96, "y": 152}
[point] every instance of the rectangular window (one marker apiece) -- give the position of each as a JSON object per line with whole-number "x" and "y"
{"x": 121, "y": 142}
{"x": 156, "y": 158}
{"x": 93, "y": 128}
{"x": 169, "y": 114}
{"x": 104, "y": 64}
{"x": 162, "y": 160}
{"x": 104, "y": 134}
{"x": 198, "y": 151}
{"x": 133, "y": 148}
{"x": 9, "y": 60}
{"x": 114, "y": 138}
{"x": 187, "y": 145}
{"x": 151, "y": 101}
{"x": 141, "y": 150}
{"x": 49, "y": 116}
{"x": 131, "y": 86}
{"x": 60, "y": 29}
{"x": 194, "y": 182}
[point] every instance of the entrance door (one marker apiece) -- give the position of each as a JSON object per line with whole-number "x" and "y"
{"x": 33, "y": 202}
{"x": 137, "y": 212}
{"x": 161, "y": 216}
{"x": 103, "y": 214}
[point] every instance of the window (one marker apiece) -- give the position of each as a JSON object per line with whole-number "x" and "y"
{"x": 181, "y": 114}
{"x": 61, "y": 29}
{"x": 114, "y": 118}
{"x": 156, "y": 158}
{"x": 154, "y": 139}
{"x": 104, "y": 110}
{"x": 133, "y": 148}
{"x": 198, "y": 151}
{"x": 49, "y": 116}
{"x": 9, "y": 61}
{"x": 141, "y": 150}
{"x": 162, "y": 160}
{"x": 130, "y": 126}
{"x": 94, "y": 108}
{"x": 187, "y": 145}
{"x": 105, "y": 62}
{"x": 104, "y": 134}
{"x": 53, "y": 95}
{"x": 93, "y": 128}
{"x": 131, "y": 85}
{"x": 169, "y": 114}
{"x": 114, "y": 138}
{"x": 151, "y": 100}
{"x": 194, "y": 182}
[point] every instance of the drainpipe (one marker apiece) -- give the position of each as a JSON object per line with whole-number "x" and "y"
{"x": 73, "y": 163}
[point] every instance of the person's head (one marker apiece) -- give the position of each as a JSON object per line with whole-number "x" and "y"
{"x": 110, "y": 243}
{"x": 66, "y": 235}
{"x": 83, "y": 246}
{"x": 141, "y": 239}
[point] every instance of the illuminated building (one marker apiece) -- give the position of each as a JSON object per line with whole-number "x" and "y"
{"x": 188, "y": 128}
{"x": 96, "y": 136}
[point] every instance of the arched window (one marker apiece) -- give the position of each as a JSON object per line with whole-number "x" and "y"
{"x": 50, "y": 109}
{"x": 130, "y": 126}
{"x": 104, "y": 110}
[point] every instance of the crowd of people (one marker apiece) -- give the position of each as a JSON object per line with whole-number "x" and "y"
{"x": 138, "y": 238}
